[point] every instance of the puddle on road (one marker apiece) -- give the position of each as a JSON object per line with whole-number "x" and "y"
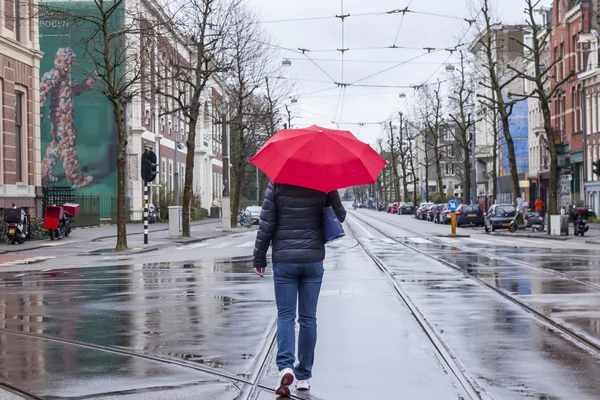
{"x": 216, "y": 314}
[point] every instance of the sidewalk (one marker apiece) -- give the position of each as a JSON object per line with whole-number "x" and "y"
{"x": 96, "y": 234}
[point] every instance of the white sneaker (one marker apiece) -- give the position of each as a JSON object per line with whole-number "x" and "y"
{"x": 303, "y": 385}
{"x": 286, "y": 378}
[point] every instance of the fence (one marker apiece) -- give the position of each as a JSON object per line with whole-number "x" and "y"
{"x": 93, "y": 209}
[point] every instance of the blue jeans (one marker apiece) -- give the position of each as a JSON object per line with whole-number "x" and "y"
{"x": 297, "y": 284}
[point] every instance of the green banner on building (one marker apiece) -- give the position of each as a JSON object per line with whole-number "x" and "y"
{"x": 78, "y": 131}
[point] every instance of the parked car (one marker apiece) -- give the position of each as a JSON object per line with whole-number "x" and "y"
{"x": 422, "y": 212}
{"x": 381, "y": 207}
{"x": 469, "y": 215}
{"x": 407, "y": 208}
{"x": 254, "y": 213}
{"x": 445, "y": 216}
{"x": 395, "y": 208}
{"x": 438, "y": 212}
{"x": 432, "y": 210}
{"x": 389, "y": 207}
{"x": 499, "y": 216}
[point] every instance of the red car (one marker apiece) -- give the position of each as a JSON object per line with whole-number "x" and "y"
{"x": 395, "y": 208}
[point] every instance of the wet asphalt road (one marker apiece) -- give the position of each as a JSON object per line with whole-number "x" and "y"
{"x": 186, "y": 329}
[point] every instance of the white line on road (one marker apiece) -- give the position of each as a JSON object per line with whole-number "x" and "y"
{"x": 192, "y": 246}
{"x": 221, "y": 245}
{"x": 247, "y": 244}
{"x": 389, "y": 241}
{"x": 361, "y": 227}
{"x": 419, "y": 240}
{"x": 59, "y": 243}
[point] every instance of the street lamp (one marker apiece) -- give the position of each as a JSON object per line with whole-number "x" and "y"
{"x": 450, "y": 68}
{"x": 402, "y": 95}
{"x": 286, "y": 62}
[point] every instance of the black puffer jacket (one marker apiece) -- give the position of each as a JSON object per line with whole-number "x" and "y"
{"x": 292, "y": 218}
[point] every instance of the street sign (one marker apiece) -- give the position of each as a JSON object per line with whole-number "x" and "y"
{"x": 453, "y": 205}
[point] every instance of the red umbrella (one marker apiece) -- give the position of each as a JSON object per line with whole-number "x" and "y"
{"x": 318, "y": 158}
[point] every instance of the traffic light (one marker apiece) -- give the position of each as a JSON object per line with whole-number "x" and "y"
{"x": 596, "y": 167}
{"x": 149, "y": 166}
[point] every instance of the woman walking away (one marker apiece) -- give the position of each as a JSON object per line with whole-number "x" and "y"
{"x": 292, "y": 219}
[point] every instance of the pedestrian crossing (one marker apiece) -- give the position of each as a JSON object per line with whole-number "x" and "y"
{"x": 216, "y": 246}
{"x": 22, "y": 261}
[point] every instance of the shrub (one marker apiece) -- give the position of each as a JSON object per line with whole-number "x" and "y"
{"x": 166, "y": 199}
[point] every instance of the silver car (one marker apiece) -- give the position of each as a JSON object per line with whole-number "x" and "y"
{"x": 254, "y": 212}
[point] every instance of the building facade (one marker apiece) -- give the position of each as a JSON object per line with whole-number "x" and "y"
{"x": 20, "y": 172}
{"x": 570, "y": 19}
{"x": 506, "y": 51}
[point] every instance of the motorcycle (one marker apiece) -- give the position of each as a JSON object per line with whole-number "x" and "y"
{"x": 17, "y": 223}
{"x": 58, "y": 220}
{"x": 151, "y": 214}
{"x": 244, "y": 219}
{"x": 579, "y": 216}
{"x": 530, "y": 220}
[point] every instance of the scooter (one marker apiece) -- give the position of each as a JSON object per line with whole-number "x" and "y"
{"x": 244, "y": 219}
{"x": 151, "y": 213}
{"x": 17, "y": 223}
{"x": 530, "y": 220}
{"x": 18, "y": 233}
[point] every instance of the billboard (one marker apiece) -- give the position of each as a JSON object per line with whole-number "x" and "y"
{"x": 78, "y": 133}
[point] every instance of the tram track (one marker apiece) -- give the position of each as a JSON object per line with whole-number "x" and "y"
{"x": 573, "y": 336}
{"x": 249, "y": 387}
{"x": 496, "y": 256}
{"x": 442, "y": 351}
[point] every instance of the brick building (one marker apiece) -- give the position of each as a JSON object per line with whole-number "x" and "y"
{"x": 20, "y": 170}
{"x": 570, "y": 19}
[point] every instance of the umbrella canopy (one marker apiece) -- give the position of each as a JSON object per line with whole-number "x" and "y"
{"x": 318, "y": 158}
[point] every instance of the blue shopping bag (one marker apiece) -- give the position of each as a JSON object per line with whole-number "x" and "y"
{"x": 332, "y": 227}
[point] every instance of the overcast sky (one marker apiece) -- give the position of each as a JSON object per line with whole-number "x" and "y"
{"x": 366, "y": 104}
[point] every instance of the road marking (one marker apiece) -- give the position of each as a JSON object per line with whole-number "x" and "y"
{"x": 479, "y": 241}
{"x": 220, "y": 246}
{"x": 59, "y": 243}
{"x": 361, "y": 227}
{"x": 419, "y": 240}
{"x": 247, "y": 244}
{"x": 192, "y": 246}
{"x": 19, "y": 275}
{"x": 389, "y": 241}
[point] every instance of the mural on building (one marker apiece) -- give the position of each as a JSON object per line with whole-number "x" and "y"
{"x": 58, "y": 85}
{"x": 78, "y": 134}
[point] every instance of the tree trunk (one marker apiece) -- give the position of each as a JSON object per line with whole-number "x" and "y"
{"x": 512, "y": 160}
{"x": 121, "y": 152}
{"x": 426, "y": 180}
{"x": 467, "y": 176}
{"x": 264, "y": 181}
{"x": 438, "y": 166}
{"x": 495, "y": 160}
{"x": 239, "y": 165}
{"x": 189, "y": 171}
{"x": 553, "y": 184}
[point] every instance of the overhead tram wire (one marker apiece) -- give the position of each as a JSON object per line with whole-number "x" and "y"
{"x": 400, "y": 24}
{"x": 342, "y": 50}
{"x": 379, "y": 13}
{"x": 434, "y": 72}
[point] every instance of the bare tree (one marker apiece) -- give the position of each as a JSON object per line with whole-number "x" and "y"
{"x": 497, "y": 84}
{"x": 251, "y": 58}
{"x": 203, "y": 24}
{"x": 394, "y": 149}
{"x": 545, "y": 87}
{"x": 107, "y": 29}
{"x": 431, "y": 120}
{"x": 461, "y": 105}
{"x": 403, "y": 154}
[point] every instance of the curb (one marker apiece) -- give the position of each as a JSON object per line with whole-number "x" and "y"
{"x": 545, "y": 236}
{"x": 150, "y": 232}
{"x": 453, "y": 236}
{"x": 130, "y": 251}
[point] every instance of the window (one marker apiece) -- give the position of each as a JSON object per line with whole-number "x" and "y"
{"x": 170, "y": 174}
{"x": 574, "y": 105}
{"x": 593, "y": 114}
{"x": 17, "y": 5}
{"x": 449, "y": 168}
{"x": 182, "y": 176}
{"x": 588, "y": 120}
{"x": 163, "y": 171}
{"x": 450, "y": 151}
{"x": 563, "y": 61}
{"x": 449, "y": 136}
{"x": 19, "y": 136}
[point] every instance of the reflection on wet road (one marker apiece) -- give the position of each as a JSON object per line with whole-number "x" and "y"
{"x": 505, "y": 348}
{"x": 204, "y": 330}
